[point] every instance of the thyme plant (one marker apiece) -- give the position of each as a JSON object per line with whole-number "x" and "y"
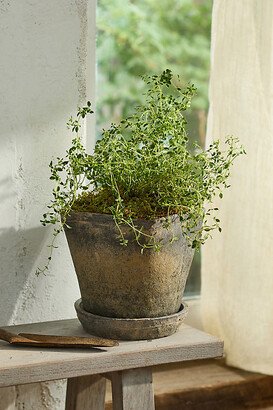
{"x": 142, "y": 168}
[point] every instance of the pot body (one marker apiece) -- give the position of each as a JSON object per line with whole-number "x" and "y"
{"x": 120, "y": 281}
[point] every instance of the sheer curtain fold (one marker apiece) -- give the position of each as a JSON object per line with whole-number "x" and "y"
{"x": 237, "y": 265}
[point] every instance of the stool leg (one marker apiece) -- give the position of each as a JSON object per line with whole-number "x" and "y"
{"x": 133, "y": 390}
{"x": 85, "y": 393}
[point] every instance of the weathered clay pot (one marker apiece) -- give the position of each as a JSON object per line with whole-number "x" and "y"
{"x": 121, "y": 282}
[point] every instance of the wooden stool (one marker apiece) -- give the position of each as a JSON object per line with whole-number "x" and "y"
{"x": 128, "y": 365}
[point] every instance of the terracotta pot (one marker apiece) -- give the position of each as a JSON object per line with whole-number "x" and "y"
{"x": 121, "y": 282}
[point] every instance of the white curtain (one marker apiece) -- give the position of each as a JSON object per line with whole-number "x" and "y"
{"x": 237, "y": 265}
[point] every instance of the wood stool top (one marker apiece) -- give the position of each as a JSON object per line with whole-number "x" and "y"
{"x": 21, "y": 365}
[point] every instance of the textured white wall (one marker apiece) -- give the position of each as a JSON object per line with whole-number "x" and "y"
{"x": 47, "y": 68}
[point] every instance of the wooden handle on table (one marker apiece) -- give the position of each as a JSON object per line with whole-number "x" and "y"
{"x": 11, "y": 337}
{"x": 7, "y": 336}
{"x": 30, "y": 339}
{"x": 71, "y": 340}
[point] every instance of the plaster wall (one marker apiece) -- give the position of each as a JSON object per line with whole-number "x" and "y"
{"x": 47, "y": 68}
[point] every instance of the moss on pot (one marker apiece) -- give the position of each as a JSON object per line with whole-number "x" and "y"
{"x": 135, "y": 207}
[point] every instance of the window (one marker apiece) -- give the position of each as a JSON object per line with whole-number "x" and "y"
{"x": 148, "y": 36}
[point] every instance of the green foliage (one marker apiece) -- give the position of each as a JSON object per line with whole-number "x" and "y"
{"x": 145, "y": 160}
{"x": 139, "y": 37}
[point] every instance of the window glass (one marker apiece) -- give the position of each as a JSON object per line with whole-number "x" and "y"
{"x": 137, "y": 37}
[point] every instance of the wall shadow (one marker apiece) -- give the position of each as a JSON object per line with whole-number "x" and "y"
{"x": 19, "y": 250}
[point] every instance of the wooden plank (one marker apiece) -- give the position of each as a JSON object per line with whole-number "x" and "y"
{"x": 20, "y": 365}
{"x": 211, "y": 385}
{"x": 85, "y": 393}
{"x": 252, "y": 395}
{"x": 133, "y": 390}
{"x": 207, "y": 385}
